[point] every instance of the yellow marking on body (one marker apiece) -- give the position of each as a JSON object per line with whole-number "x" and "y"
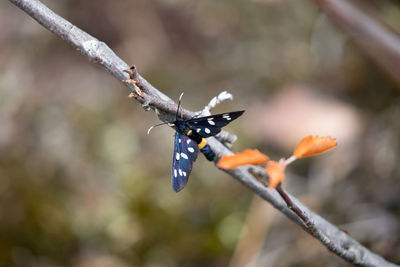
{"x": 189, "y": 132}
{"x": 203, "y": 143}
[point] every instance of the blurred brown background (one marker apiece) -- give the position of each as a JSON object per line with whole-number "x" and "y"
{"x": 81, "y": 184}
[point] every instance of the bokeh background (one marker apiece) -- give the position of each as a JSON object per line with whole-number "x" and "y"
{"x": 82, "y": 184}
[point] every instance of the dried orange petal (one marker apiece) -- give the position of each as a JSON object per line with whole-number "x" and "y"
{"x": 246, "y": 157}
{"x": 276, "y": 173}
{"x": 312, "y": 145}
{"x": 129, "y": 81}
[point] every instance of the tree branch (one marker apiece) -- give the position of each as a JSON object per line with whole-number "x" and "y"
{"x": 98, "y": 52}
{"x": 362, "y": 25}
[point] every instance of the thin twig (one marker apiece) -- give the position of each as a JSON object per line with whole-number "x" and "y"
{"x": 368, "y": 31}
{"x": 290, "y": 204}
{"x": 98, "y": 52}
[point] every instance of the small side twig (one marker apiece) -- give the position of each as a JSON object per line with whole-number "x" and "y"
{"x": 138, "y": 93}
{"x": 223, "y": 96}
{"x": 291, "y": 205}
{"x": 378, "y": 40}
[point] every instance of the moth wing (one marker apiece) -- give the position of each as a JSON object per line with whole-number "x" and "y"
{"x": 211, "y": 125}
{"x": 185, "y": 153}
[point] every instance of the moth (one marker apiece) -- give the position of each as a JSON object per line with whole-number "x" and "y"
{"x": 190, "y": 137}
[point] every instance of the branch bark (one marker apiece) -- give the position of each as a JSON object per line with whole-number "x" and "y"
{"x": 98, "y": 52}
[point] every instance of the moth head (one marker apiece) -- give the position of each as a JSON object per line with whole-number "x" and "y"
{"x": 171, "y": 124}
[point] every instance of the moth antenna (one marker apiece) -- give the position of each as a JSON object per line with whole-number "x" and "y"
{"x": 180, "y": 97}
{"x": 148, "y": 131}
{"x": 154, "y": 126}
{"x": 179, "y": 105}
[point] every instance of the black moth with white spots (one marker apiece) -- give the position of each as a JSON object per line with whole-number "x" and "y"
{"x": 190, "y": 138}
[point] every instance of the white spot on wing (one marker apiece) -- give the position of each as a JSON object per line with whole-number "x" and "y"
{"x": 184, "y": 173}
{"x": 177, "y": 156}
{"x": 180, "y": 140}
{"x": 180, "y": 172}
{"x": 211, "y": 122}
{"x": 198, "y": 130}
{"x": 175, "y": 173}
{"x": 188, "y": 141}
{"x": 226, "y": 117}
{"x": 207, "y": 130}
{"x": 183, "y": 155}
{"x": 191, "y": 149}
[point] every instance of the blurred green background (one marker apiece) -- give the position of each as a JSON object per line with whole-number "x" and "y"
{"x": 82, "y": 184}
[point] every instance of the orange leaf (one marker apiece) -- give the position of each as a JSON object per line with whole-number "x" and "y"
{"x": 248, "y": 156}
{"x": 312, "y": 145}
{"x": 276, "y": 173}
